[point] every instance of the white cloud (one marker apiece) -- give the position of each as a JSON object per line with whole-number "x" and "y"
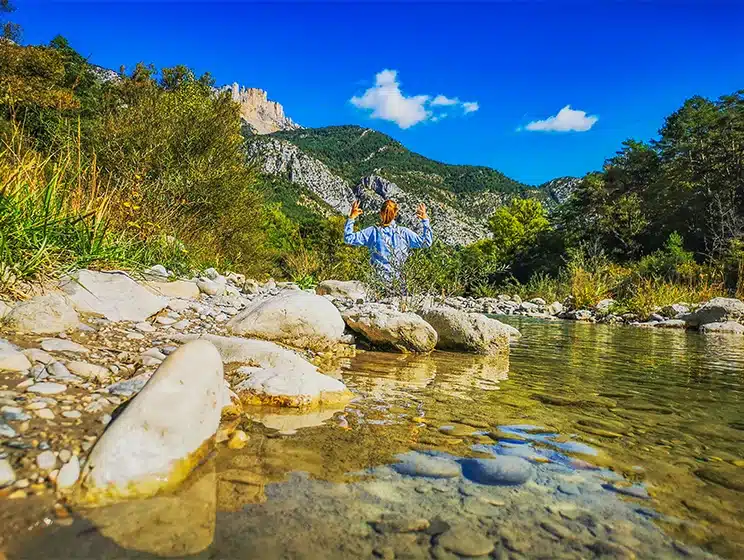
{"x": 444, "y": 100}
{"x": 470, "y": 106}
{"x": 386, "y": 101}
{"x": 567, "y": 120}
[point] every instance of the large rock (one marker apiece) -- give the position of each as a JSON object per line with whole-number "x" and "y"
{"x": 113, "y": 295}
{"x": 352, "y": 289}
{"x": 163, "y": 432}
{"x": 727, "y": 327}
{"x": 295, "y": 318}
{"x": 50, "y": 313}
{"x": 274, "y": 375}
{"x": 12, "y": 359}
{"x": 717, "y": 310}
{"x": 177, "y": 289}
{"x": 388, "y": 328}
{"x": 468, "y": 332}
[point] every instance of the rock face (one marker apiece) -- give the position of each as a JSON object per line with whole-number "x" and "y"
{"x": 258, "y": 112}
{"x": 113, "y": 295}
{"x": 353, "y": 289}
{"x": 159, "y": 437}
{"x": 468, "y": 332}
{"x": 50, "y": 313}
{"x": 295, "y": 318}
{"x": 388, "y": 328}
{"x": 717, "y": 310}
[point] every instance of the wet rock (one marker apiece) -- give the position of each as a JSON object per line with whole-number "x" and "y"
{"x": 555, "y": 529}
{"x": 295, "y": 318}
{"x": 733, "y": 479}
{"x": 62, "y": 345}
{"x": 113, "y": 295}
{"x": 46, "y": 461}
{"x": 47, "y": 388}
{"x": 13, "y": 360}
{"x": 6, "y": 431}
{"x": 386, "y": 327}
{"x": 502, "y": 470}
{"x": 69, "y": 473}
{"x": 396, "y": 523}
{"x": 177, "y": 289}
{"x": 353, "y": 290}
{"x": 50, "y": 313}
{"x": 671, "y": 324}
{"x": 7, "y": 474}
{"x": 465, "y": 542}
{"x": 420, "y": 464}
{"x": 468, "y": 332}
{"x": 160, "y": 436}
{"x": 728, "y": 327}
{"x": 569, "y": 489}
{"x": 555, "y": 308}
{"x": 238, "y": 440}
{"x": 717, "y": 310}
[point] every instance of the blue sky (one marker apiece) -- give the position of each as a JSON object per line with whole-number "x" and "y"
{"x": 626, "y": 64}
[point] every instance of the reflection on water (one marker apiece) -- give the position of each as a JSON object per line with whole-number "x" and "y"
{"x": 633, "y": 441}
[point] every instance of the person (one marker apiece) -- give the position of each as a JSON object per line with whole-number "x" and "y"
{"x": 388, "y": 243}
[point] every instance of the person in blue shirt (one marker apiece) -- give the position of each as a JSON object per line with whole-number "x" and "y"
{"x": 388, "y": 243}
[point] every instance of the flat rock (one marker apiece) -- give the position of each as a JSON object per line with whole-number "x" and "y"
{"x": 160, "y": 436}
{"x": 69, "y": 473}
{"x": 129, "y": 387}
{"x": 352, "y": 289}
{"x": 13, "y": 360}
{"x": 50, "y": 313}
{"x": 671, "y": 324}
{"x": 728, "y": 327}
{"x": 467, "y": 332}
{"x": 63, "y": 345}
{"x": 295, "y": 318}
{"x": 506, "y": 470}
{"x": 421, "y": 464}
{"x": 466, "y": 542}
{"x": 88, "y": 371}
{"x": 176, "y": 289}
{"x": 47, "y": 388}
{"x": 389, "y": 328}
{"x": 113, "y": 295}
{"x": 46, "y": 460}
{"x": 38, "y": 355}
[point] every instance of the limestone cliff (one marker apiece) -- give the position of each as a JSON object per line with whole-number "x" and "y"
{"x": 262, "y": 115}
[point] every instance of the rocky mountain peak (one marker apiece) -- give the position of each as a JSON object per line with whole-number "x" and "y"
{"x": 261, "y": 114}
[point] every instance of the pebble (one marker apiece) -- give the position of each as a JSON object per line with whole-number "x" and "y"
{"x": 570, "y": 489}
{"x": 154, "y": 353}
{"x": 149, "y": 361}
{"x": 465, "y": 542}
{"x": 45, "y": 413}
{"x": 88, "y": 371}
{"x": 181, "y": 325}
{"x": 39, "y": 372}
{"x": 499, "y": 470}
{"x": 36, "y": 405}
{"x": 59, "y": 370}
{"x": 479, "y": 507}
{"x": 14, "y": 413}
{"x": 105, "y": 419}
{"x": 6, "y": 431}
{"x": 419, "y": 464}
{"x": 46, "y": 461}
{"x": 238, "y": 440}
{"x": 135, "y": 336}
{"x": 129, "y": 387}
{"x": 65, "y": 455}
{"x": 165, "y": 320}
{"x": 71, "y": 414}
{"x": 144, "y": 327}
{"x": 7, "y": 474}
{"x": 69, "y": 473}
{"x": 59, "y": 345}
{"x": 47, "y": 388}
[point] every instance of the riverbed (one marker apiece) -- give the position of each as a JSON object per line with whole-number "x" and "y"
{"x": 619, "y": 442}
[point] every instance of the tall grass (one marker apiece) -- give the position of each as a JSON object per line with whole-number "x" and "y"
{"x": 56, "y": 215}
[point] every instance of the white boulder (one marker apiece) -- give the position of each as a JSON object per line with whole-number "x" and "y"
{"x": 352, "y": 289}
{"x": 468, "y": 332}
{"x": 176, "y": 289}
{"x": 388, "y": 328}
{"x": 113, "y": 295}
{"x": 50, "y": 313}
{"x": 295, "y": 318}
{"x": 162, "y": 434}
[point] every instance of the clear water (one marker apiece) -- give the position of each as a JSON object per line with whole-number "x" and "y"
{"x": 634, "y": 441}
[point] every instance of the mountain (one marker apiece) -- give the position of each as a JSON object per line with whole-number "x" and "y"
{"x": 327, "y": 168}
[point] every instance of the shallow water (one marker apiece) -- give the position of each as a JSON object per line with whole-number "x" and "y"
{"x": 632, "y": 439}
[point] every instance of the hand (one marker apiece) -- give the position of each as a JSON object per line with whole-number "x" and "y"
{"x": 421, "y": 212}
{"x": 356, "y": 211}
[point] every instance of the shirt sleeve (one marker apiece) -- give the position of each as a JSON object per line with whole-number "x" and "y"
{"x": 416, "y": 241}
{"x": 356, "y": 239}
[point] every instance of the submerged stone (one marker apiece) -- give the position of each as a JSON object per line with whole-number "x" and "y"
{"x": 506, "y": 470}
{"x": 420, "y": 464}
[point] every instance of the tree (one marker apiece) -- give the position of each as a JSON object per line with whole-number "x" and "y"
{"x": 10, "y": 31}
{"x": 517, "y": 225}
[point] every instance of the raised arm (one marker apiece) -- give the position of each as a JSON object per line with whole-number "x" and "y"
{"x": 360, "y": 238}
{"x": 416, "y": 241}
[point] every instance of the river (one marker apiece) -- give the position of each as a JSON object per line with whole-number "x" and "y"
{"x": 629, "y": 443}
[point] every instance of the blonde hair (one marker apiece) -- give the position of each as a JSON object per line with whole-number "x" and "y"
{"x": 388, "y": 212}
